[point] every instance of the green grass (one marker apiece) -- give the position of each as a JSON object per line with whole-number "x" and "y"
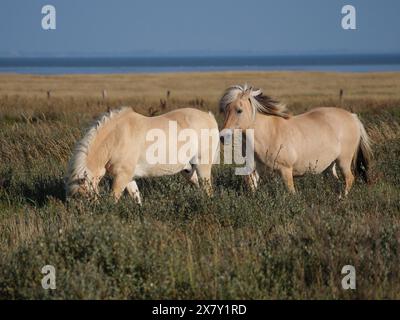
{"x": 180, "y": 243}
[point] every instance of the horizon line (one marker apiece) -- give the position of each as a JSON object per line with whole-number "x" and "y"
{"x": 198, "y": 56}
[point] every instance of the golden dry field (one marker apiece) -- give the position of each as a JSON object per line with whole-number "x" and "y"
{"x": 181, "y": 244}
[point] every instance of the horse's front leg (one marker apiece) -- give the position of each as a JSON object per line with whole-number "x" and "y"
{"x": 252, "y": 180}
{"x": 191, "y": 176}
{"x": 287, "y": 176}
{"x": 204, "y": 173}
{"x": 134, "y": 192}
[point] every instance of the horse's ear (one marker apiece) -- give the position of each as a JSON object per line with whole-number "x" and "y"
{"x": 255, "y": 92}
{"x": 246, "y": 93}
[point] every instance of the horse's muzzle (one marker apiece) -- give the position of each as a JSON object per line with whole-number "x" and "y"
{"x": 225, "y": 136}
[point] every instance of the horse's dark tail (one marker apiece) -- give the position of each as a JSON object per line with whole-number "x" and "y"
{"x": 363, "y": 156}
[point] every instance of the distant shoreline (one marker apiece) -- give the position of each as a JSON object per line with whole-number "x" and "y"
{"x": 119, "y": 65}
{"x": 195, "y": 73}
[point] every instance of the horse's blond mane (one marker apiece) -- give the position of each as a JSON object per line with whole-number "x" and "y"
{"x": 260, "y": 103}
{"x": 77, "y": 168}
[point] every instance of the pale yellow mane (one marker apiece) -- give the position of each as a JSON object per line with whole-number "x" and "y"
{"x": 77, "y": 167}
{"x": 259, "y": 102}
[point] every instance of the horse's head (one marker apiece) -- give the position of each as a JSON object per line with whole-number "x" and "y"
{"x": 79, "y": 187}
{"x": 238, "y": 110}
{"x": 240, "y": 104}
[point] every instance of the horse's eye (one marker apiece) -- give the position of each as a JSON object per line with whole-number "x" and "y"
{"x": 239, "y": 111}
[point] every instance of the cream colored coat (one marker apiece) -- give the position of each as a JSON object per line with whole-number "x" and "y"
{"x": 294, "y": 145}
{"x": 118, "y": 142}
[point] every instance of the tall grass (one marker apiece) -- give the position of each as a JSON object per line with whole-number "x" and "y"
{"x": 180, "y": 243}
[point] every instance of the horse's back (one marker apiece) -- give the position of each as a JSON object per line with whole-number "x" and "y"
{"x": 337, "y": 121}
{"x": 192, "y": 118}
{"x": 326, "y": 112}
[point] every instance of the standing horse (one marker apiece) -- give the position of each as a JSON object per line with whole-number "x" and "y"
{"x": 119, "y": 141}
{"x": 294, "y": 145}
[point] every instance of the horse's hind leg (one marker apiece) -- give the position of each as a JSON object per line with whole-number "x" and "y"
{"x": 338, "y": 185}
{"x": 345, "y": 167}
{"x": 204, "y": 173}
{"x": 287, "y": 176}
{"x": 334, "y": 171}
{"x": 252, "y": 180}
{"x": 134, "y": 192}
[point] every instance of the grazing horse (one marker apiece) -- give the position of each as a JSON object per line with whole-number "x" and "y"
{"x": 294, "y": 145}
{"x": 119, "y": 143}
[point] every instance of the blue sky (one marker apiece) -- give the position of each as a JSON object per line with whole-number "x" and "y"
{"x": 181, "y": 27}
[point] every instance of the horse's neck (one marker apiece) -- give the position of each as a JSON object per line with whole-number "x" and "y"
{"x": 265, "y": 126}
{"x": 101, "y": 150}
{"x": 266, "y": 131}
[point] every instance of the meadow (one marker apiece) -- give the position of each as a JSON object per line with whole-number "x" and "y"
{"x": 182, "y": 244}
